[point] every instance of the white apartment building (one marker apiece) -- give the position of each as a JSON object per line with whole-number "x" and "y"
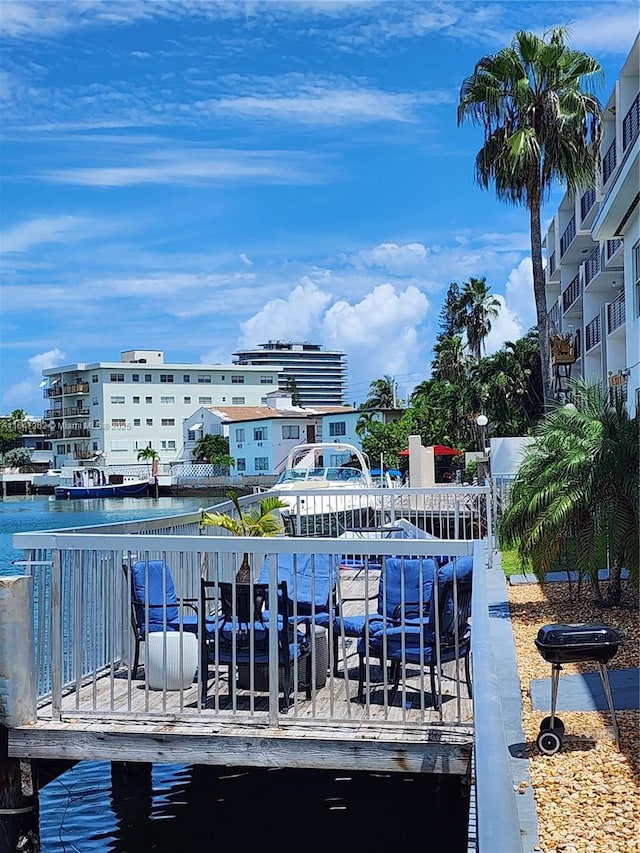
{"x": 593, "y": 258}
{"x": 109, "y": 411}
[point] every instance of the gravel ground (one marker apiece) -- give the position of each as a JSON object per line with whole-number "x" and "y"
{"x": 587, "y": 795}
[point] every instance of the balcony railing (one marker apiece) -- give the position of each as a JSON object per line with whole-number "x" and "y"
{"x": 56, "y": 391}
{"x": 612, "y": 247}
{"x": 577, "y": 344}
{"x": 631, "y": 124}
{"x": 568, "y": 235}
{"x": 552, "y": 263}
{"x": 592, "y": 265}
{"x": 84, "y": 454}
{"x": 77, "y": 388}
{"x": 615, "y": 313}
{"x": 52, "y": 414}
{"x": 586, "y": 202}
{"x": 77, "y": 432}
{"x": 593, "y": 333}
{"x": 553, "y": 318}
{"x": 73, "y": 411}
{"x": 609, "y": 162}
{"x": 571, "y": 294}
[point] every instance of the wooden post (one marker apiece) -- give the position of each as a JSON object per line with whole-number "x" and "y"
{"x": 18, "y": 789}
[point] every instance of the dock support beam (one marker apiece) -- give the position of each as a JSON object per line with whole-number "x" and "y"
{"x": 18, "y": 789}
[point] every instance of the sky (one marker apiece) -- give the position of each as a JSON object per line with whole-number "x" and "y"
{"x": 196, "y": 177}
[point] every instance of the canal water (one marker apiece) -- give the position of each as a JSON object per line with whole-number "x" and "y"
{"x": 200, "y": 809}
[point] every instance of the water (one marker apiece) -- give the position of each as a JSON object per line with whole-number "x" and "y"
{"x": 198, "y": 809}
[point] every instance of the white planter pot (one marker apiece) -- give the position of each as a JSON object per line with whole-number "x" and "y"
{"x": 165, "y": 650}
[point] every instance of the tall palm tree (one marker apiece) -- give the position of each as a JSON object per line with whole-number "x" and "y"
{"x": 449, "y": 363}
{"x": 541, "y": 123}
{"x": 383, "y": 394}
{"x": 475, "y": 310}
{"x": 578, "y": 483}
{"x": 148, "y": 455}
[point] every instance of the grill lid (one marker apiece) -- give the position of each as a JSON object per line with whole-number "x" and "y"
{"x": 591, "y": 634}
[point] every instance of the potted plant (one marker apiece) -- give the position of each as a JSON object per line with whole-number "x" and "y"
{"x": 260, "y": 520}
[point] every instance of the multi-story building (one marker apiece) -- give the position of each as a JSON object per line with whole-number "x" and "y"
{"x": 593, "y": 258}
{"x": 112, "y": 410}
{"x": 314, "y": 376}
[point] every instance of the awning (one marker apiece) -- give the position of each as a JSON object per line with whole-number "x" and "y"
{"x": 195, "y": 428}
{"x": 438, "y": 450}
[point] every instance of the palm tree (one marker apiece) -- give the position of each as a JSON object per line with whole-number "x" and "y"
{"x": 578, "y": 484}
{"x": 449, "y": 363}
{"x": 383, "y": 394}
{"x": 260, "y": 520}
{"x": 474, "y": 312}
{"x": 540, "y": 125}
{"x": 148, "y": 455}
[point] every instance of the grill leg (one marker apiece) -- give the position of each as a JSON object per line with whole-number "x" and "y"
{"x": 555, "y": 677}
{"x": 604, "y": 675}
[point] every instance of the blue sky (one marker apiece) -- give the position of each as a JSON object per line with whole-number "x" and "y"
{"x": 199, "y": 176}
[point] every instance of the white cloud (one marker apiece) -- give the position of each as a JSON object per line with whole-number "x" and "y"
{"x": 55, "y": 229}
{"x": 505, "y": 327}
{"x": 45, "y": 360}
{"x": 519, "y": 294}
{"x": 398, "y": 260}
{"x": 295, "y": 318}
{"x": 26, "y": 394}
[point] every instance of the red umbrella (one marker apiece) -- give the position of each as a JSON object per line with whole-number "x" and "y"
{"x": 438, "y": 450}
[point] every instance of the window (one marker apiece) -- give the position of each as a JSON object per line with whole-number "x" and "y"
{"x": 261, "y": 463}
{"x": 260, "y": 434}
{"x": 186, "y": 400}
{"x": 147, "y": 377}
{"x": 338, "y": 428}
{"x": 135, "y": 400}
{"x": 119, "y": 400}
{"x": 136, "y": 422}
{"x": 171, "y": 445}
{"x": 168, "y": 400}
{"x": 119, "y": 446}
{"x": 204, "y": 379}
{"x": 60, "y": 449}
{"x": 149, "y": 422}
{"x": 204, "y": 401}
{"x": 191, "y": 435}
{"x": 94, "y": 377}
{"x": 95, "y": 401}
{"x": 241, "y": 464}
{"x": 237, "y": 379}
{"x": 166, "y": 377}
{"x": 96, "y": 424}
{"x": 148, "y": 400}
{"x": 117, "y": 377}
{"x": 266, "y": 380}
{"x": 237, "y": 401}
{"x": 186, "y": 378}
{"x": 135, "y": 377}
{"x": 167, "y": 421}
{"x": 240, "y": 435}
{"x": 118, "y": 423}
{"x": 291, "y": 431}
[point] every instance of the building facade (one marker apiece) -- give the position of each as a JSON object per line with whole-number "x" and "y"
{"x": 315, "y": 377}
{"x": 593, "y": 259}
{"x": 109, "y": 411}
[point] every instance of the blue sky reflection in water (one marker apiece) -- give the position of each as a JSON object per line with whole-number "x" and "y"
{"x": 195, "y": 808}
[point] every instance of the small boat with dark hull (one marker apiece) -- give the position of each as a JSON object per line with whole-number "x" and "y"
{"x": 87, "y": 483}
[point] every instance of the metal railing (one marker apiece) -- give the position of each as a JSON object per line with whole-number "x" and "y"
{"x": 552, "y": 263}
{"x": 631, "y": 124}
{"x": 609, "y": 163}
{"x": 592, "y": 265}
{"x": 568, "y": 235}
{"x": 615, "y": 313}
{"x": 586, "y": 202}
{"x": 593, "y": 333}
{"x": 572, "y": 293}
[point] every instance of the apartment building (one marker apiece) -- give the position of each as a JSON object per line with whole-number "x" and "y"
{"x": 109, "y": 411}
{"x": 318, "y": 377}
{"x": 593, "y": 258}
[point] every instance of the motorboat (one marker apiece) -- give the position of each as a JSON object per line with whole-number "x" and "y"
{"x": 327, "y": 487}
{"x": 87, "y": 483}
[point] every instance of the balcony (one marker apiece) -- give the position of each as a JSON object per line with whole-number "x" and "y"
{"x": 551, "y": 266}
{"x": 73, "y": 411}
{"x": 77, "y": 432}
{"x": 615, "y": 313}
{"x": 571, "y": 294}
{"x": 84, "y": 454}
{"x": 56, "y": 391}
{"x": 52, "y": 414}
{"x": 568, "y": 235}
{"x": 77, "y": 388}
{"x": 553, "y": 318}
{"x": 611, "y": 247}
{"x": 631, "y": 124}
{"x": 592, "y": 265}
{"x": 586, "y": 203}
{"x": 609, "y": 163}
{"x": 593, "y": 333}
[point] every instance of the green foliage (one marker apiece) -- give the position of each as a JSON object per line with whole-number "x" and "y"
{"x": 578, "y": 483}
{"x": 213, "y": 449}
{"x": 260, "y": 520}
{"x": 387, "y": 440}
{"x": 18, "y": 457}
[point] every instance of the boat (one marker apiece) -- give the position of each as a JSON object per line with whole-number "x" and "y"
{"x": 311, "y": 483}
{"x": 87, "y": 483}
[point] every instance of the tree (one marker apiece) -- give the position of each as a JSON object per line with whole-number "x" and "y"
{"x": 541, "y": 123}
{"x": 260, "y": 520}
{"x": 292, "y": 388}
{"x": 148, "y": 455}
{"x": 213, "y": 449}
{"x": 383, "y": 394}
{"x": 473, "y": 313}
{"x": 578, "y": 485}
{"x": 449, "y": 363}
{"x": 17, "y": 457}
{"x": 12, "y": 429}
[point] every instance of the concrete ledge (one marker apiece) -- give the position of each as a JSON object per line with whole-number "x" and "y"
{"x": 560, "y": 577}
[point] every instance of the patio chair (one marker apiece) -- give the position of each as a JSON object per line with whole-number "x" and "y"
{"x": 413, "y": 639}
{"x": 155, "y": 605}
{"x": 405, "y": 583}
{"x": 238, "y": 634}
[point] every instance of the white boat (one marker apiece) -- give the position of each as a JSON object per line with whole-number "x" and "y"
{"x": 327, "y": 487}
{"x": 87, "y": 483}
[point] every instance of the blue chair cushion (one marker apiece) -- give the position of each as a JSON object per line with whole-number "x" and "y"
{"x": 414, "y": 577}
{"x": 310, "y": 579}
{"x": 155, "y": 586}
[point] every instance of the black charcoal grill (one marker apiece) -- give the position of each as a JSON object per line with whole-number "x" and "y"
{"x": 566, "y": 643}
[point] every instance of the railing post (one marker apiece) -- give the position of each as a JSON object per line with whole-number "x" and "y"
{"x": 56, "y": 633}
{"x": 18, "y": 790}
